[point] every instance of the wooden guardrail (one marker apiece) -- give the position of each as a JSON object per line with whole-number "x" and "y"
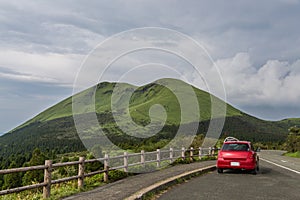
{"x": 159, "y": 156}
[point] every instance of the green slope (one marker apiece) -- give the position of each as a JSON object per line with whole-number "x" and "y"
{"x": 54, "y": 128}
{"x": 142, "y": 99}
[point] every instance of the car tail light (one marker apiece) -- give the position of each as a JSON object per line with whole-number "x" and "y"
{"x": 251, "y": 156}
{"x": 220, "y": 155}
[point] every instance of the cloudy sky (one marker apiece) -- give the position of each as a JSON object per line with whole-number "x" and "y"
{"x": 255, "y": 44}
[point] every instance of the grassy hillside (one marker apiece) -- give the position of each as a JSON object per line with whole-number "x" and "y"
{"x": 54, "y": 128}
{"x": 140, "y": 102}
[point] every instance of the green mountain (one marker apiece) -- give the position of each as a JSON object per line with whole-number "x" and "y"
{"x": 54, "y": 128}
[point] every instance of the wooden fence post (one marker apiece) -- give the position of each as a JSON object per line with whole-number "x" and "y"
{"x": 183, "y": 153}
{"x": 171, "y": 154}
{"x": 125, "y": 162}
{"x": 106, "y": 167}
{"x": 158, "y": 158}
{"x": 143, "y": 158}
{"x": 191, "y": 153}
{"x": 81, "y": 173}
{"x": 47, "y": 179}
{"x": 200, "y": 153}
{"x": 213, "y": 151}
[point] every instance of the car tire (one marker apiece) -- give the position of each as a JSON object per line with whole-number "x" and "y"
{"x": 220, "y": 171}
{"x": 255, "y": 170}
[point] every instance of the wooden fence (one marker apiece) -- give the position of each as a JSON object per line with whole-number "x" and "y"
{"x": 159, "y": 157}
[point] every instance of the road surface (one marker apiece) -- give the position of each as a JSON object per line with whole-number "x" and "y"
{"x": 277, "y": 179}
{"x": 275, "y": 157}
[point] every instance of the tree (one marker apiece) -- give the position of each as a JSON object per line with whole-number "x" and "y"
{"x": 198, "y": 140}
{"x": 92, "y": 166}
{"x": 36, "y": 176}
{"x": 12, "y": 180}
{"x": 293, "y": 139}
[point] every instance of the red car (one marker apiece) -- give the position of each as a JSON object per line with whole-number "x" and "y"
{"x": 236, "y": 154}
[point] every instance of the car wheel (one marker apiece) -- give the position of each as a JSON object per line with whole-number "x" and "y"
{"x": 220, "y": 171}
{"x": 255, "y": 170}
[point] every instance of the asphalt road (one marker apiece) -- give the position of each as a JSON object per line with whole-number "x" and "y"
{"x": 275, "y": 157}
{"x": 272, "y": 182}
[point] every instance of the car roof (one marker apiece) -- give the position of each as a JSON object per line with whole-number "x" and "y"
{"x": 242, "y": 142}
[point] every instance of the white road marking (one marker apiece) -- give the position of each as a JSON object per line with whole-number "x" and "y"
{"x": 292, "y": 170}
{"x": 283, "y": 161}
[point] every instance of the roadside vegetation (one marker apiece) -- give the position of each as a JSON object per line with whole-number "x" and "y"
{"x": 38, "y": 157}
{"x": 59, "y": 191}
{"x": 293, "y": 142}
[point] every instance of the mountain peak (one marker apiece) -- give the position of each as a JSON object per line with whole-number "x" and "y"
{"x": 55, "y": 128}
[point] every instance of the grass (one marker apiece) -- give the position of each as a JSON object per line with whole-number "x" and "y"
{"x": 58, "y": 191}
{"x": 294, "y": 155}
{"x": 140, "y": 102}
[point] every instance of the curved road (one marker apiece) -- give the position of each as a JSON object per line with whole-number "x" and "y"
{"x": 277, "y": 179}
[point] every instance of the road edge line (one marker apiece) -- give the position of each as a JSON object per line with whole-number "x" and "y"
{"x": 168, "y": 182}
{"x": 292, "y": 170}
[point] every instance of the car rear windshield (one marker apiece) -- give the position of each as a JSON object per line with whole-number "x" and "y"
{"x": 235, "y": 147}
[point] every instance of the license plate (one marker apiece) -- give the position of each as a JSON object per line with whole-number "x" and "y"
{"x": 234, "y": 164}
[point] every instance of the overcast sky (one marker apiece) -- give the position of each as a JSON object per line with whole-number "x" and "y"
{"x": 255, "y": 44}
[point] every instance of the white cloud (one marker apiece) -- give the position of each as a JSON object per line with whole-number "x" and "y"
{"x": 26, "y": 77}
{"x": 274, "y": 83}
{"x": 38, "y": 67}
{"x": 46, "y": 41}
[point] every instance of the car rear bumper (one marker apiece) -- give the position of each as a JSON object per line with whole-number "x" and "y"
{"x": 244, "y": 164}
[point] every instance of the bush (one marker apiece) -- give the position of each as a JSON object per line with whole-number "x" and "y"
{"x": 293, "y": 140}
{"x": 116, "y": 175}
{"x": 12, "y": 180}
